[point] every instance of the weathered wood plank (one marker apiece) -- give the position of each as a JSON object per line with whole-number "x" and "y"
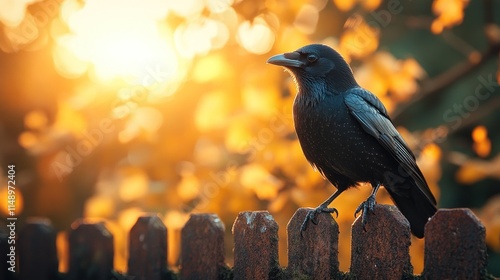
{"x": 90, "y": 251}
{"x": 37, "y": 250}
{"x": 455, "y": 246}
{"x": 256, "y": 246}
{"x": 314, "y": 252}
{"x": 202, "y": 247}
{"x": 147, "y": 248}
{"x": 380, "y": 250}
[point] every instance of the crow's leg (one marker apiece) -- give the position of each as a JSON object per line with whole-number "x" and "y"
{"x": 367, "y": 205}
{"x": 322, "y": 208}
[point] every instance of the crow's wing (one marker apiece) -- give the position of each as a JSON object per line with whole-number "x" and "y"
{"x": 372, "y": 115}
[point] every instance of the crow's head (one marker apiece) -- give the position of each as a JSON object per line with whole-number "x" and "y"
{"x": 317, "y": 65}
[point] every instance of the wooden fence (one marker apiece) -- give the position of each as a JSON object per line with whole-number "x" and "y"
{"x": 454, "y": 249}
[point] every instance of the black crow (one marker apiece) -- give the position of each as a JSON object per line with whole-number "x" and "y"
{"x": 347, "y": 135}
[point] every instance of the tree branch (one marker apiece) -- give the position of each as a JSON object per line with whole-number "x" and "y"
{"x": 447, "y": 78}
{"x": 444, "y": 80}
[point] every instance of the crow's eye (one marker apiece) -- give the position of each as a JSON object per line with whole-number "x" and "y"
{"x": 312, "y": 58}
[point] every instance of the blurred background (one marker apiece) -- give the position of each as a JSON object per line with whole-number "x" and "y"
{"x": 110, "y": 109}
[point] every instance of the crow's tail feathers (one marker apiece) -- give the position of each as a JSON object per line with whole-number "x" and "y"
{"x": 415, "y": 206}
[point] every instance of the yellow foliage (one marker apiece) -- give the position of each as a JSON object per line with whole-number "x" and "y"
{"x": 473, "y": 170}
{"x": 208, "y": 153}
{"x": 348, "y": 5}
{"x": 307, "y": 19}
{"x": 143, "y": 121}
{"x": 470, "y": 173}
{"x": 344, "y": 5}
{"x": 100, "y": 206}
{"x": 188, "y": 187}
{"x": 174, "y": 221}
{"x": 28, "y": 140}
{"x": 392, "y": 80}
{"x": 18, "y": 202}
{"x": 489, "y": 215}
{"x": 134, "y": 185}
{"x": 62, "y": 245}
{"x": 212, "y": 111}
{"x": 68, "y": 119}
{"x": 119, "y": 237}
{"x": 359, "y": 39}
{"x": 370, "y": 5}
{"x": 211, "y": 68}
{"x": 482, "y": 144}
{"x": 279, "y": 202}
{"x": 449, "y": 12}
{"x": 430, "y": 155}
{"x": 258, "y": 179}
{"x": 256, "y": 36}
{"x": 260, "y": 100}
{"x": 35, "y": 120}
{"x": 429, "y": 162}
{"x": 128, "y": 217}
{"x": 239, "y": 135}
{"x": 303, "y": 174}
{"x": 291, "y": 39}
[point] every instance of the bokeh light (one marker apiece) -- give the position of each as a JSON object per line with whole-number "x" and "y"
{"x": 115, "y": 108}
{"x": 256, "y": 36}
{"x": 122, "y": 46}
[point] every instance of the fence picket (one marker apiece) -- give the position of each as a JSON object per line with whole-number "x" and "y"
{"x": 147, "y": 248}
{"x": 90, "y": 251}
{"x": 313, "y": 252}
{"x": 255, "y": 246}
{"x": 202, "y": 247}
{"x": 37, "y": 250}
{"x": 380, "y": 250}
{"x": 455, "y": 246}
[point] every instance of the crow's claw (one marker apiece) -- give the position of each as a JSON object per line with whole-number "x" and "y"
{"x": 312, "y": 216}
{"x": 365, "y": 206}
{"x": 313, "y": 219}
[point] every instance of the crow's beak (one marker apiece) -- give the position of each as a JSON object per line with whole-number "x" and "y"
{"x": 291, "y": 59}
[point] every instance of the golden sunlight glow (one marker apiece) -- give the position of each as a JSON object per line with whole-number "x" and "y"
{"x": 482, "y": 144}
{"x": 238, "y": 135}
{"x": 212, "y": 111}
{"x": 128, "y": 217}
{"x": 257, "y": 178}
{"x": 449, "y": 13}
{"x": 4, "y": 201}
{"x": 256, "y": 37}
{"x": 200, "y": 36}
{"x": 307, "y": 19}
{"x": 120, "y": 39}
{"x": 27, "y": 139}
{"x": 35, "y": 119}
{"x": 63, "y": 251}
{"x": 186, "y": 8}
{"x": 13, "y": 12}
{"x": 134, "y": 185}
{"x": 189, "y": 187}
{"x": 117, "y": 108}
{"x": 99, "y": 206}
